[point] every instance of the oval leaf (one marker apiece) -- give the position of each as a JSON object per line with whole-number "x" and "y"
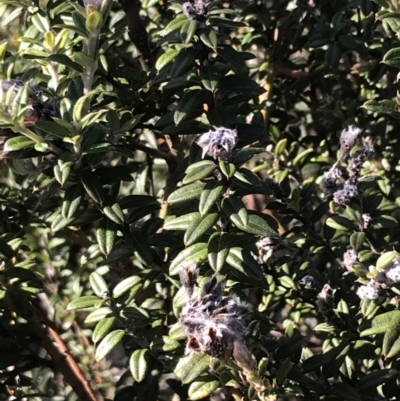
{"x": 98, "y": 285}
{"x": 110, "y": 341}
{"x": 194, "y": 254}
{"x": 197, "y": 229}
{"x": 139, "y": 364}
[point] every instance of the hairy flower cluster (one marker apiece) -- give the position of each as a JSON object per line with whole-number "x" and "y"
{"x": 350, "y": 258}
{"x": 196, "y": 10}
{"x": 392, "y": 273}
{"x": 355, "y": 162}
{"x": 214, "y": 324}
{"x": 345, "y": 191}
{"x": 346, "y": 194}
{"x": 348, "y": 139}
{"x": 218, "y": 143}
{"x": 368, "y": 292}
{"x": 386, "y": 278}
{"x": 330, "y": 179}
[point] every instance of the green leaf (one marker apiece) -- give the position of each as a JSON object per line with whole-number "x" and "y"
{"x": 233, "y": 57}
{"x": 191, "y": 367}
{"x": 389, "y": 107}
{"x": 98, "y": 285}
{"x": 65, "y": 60}
{"x": 131, "y": 201}
{"x": 182, "y": 223}
{"x": 114, "y": 213}
{"x": 339, "y": 223}
{"x": 35, "y": 54}
{"x": 88, "y": 301}
{"x": 106, "y": 233}
{"x": 194, "y": 254}
{"x": 18, "y": 143}
{"x": 92, "y": 186}
{"x": 136, "y": 314}
{"x": 210, "y": 195}
{"x": 333, "y": 55}
{"x": 210, "y": 77}
{"x": 218, "y": 250}
{"x": 235, "y": 209}
{"x": 351, "y": 42}
{"x": 6, "y": 250}
{"x": 94, "y": 21}
{"x": 53, "y": 129}
{"x": 189, "y": 107}
{"x": 186, "y": 193}
{"x": 73, "y": 200}
{"x": 244, "y": 263}
{"x": 199, "y": 170}
{"x": 166, "y": 58}
{"x": 98, "y": 314}
{"x": 345, "y": 392}
{"x": 188, "y": 30}
{"x": 244, "y": 155}
{"x": 102, "y": 328}
{"x": 183, "y": 61}
{"x": 264, "y": 225}
{"x": 125, "y": 285}
{"x": 203, "y": 387}
{"x": 225, "y": 22}
{"x": 283, "y": 371}
{"x": 197, "y": 229}
{"x": 248, "y": 177}
{"x": 209, "y": 38}
{"x": 374, "y": 379}
{"x": 164, "y": 344}
{"x": 109, "y": 342}
{"x": 174, "y": 25}
{"x": 139, "y": 364}
{"x": 392, "y": 57}
{"x": 384, "y": 222}
{"x": 127, "y": 127}
{"x": 386, "y": 259}
{"x": 239, "y": 83}
{"x": 60, "y": 223}
{"x": 357, "y": 240}
{"x": 382, "y": 323}
{"x": 228, "y": 169}
{"x": 141, "y": 247}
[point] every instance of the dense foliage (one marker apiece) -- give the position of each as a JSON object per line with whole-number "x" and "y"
{"x": 199, "y": 200}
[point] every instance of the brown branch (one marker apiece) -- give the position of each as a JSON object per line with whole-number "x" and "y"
{"x": 60, "y": 355}
{"x": 137, "y": 31}
{"x": 168, "y": 157}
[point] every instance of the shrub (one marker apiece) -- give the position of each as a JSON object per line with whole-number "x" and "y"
{"x": 199, "y": 200}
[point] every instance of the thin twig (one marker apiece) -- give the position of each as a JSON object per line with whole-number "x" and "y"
{"x": 63, "y": 361}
